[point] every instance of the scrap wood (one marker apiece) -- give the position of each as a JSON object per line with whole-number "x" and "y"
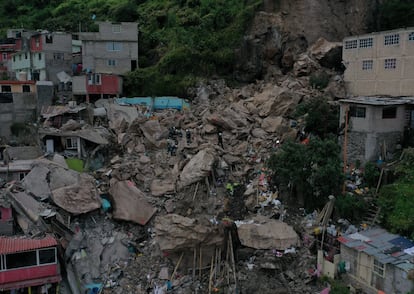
{"x": 176, "y": 267}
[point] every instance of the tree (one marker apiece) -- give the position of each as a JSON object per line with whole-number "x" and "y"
{"x": 321, "y": 118}
{"x": 313, "y": 170}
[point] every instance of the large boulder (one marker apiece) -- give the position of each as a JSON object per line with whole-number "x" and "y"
{"x": 264, "y": 233}
{"x": 328, "y": 54}
{"x": 197, "y": 168}
{"x": 175, "y": 232}
{"x": 129, "y": 203}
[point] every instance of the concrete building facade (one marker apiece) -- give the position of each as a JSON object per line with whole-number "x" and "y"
{"x": 373, "y": 127}
{"x": 42, "y": 55}
{"x": 112, "y": 50}
{"x": 380, "y": 63}
{"x": 18, "y": 104}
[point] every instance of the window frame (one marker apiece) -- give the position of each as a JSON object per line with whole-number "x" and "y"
{"x": 6, "y": 89}
{"x": 73, "y": 143}
{"x": 22, "y": 252}
{"x": 111, "y": 62}
{"x": 390, "y": 63}
{"x": 357, "y": 111}
{"x": 367, "y": 64}
{"x": 378, "y": 268}
{"x": 366, "y": 42}
{"x": 391, "y": 39}
{"x": 411, "y": 36}
{"x": 351, "y": 44}
{"x": 25, "y": 88}
{"x": 58, "y": 56}
{"x": 113, "y": 46}
{"x": 389, "y": 112}
{"x": 46, "y": 249}
{"x": 116, "y": 28}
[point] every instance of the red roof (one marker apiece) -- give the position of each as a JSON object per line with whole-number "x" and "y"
{"x": 12, "y": 244}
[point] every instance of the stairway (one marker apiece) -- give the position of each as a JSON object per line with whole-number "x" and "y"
{"x": 372, "y": 216}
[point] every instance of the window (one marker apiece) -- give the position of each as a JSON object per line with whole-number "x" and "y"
{"x": 390, "y": 63}
{"x": 21, "y": 259}
{"x": 58, "y": 56}
{"x": 37, "y": 40}
{"x": 20, "y": 57}
{"x": 5, "y": 88}
{"x": 4, "y": 56}
{"x": 49, "y": 39}
{"x": 365, "y": 43}
{"x": 389, "y": 112}
{"x": 40, "y": 56}
{"x": 14, "y": 58}
{"x": 351, "y": 44}
{"x": 367, "y": 64}
{"x": 111, "y": 62}
{"x": 114, "y": 46}
{"x": 47, "y": 256}
{"x": 21, "y": 176}
{"x": 357, "y": 111}
{"x": 26, "y": 88}
{"x": 411, "y": 36}
{"x": 25, "y": 56}
{"x": 391, "y": 39}
{"x": 97, "y": 79}
{"x": 116, "y": 28}
{"x": 379, "y": 268}
{"x": 71, "y": 143}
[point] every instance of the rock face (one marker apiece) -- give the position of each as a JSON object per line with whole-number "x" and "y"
{"x": 285, "y": 29}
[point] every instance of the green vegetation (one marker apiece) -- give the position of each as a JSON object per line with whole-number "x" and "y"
{"x": 180, "y": 41}
{"x": 395, "y": 14}
{"x": 313, "y": 170}
{"x": 319, "y": 80}
{"x": 321, "y": 118}
{"x": 397, "y": 199}
{"x": 19, "y": 129}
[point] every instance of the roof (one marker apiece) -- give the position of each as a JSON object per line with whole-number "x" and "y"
{"x": 13, "y": 245}
{"x": 387, "y": 248}
{"x": 17, "y": 166}
{"x": 55, "y": 110}
{"x": 95, "y": 135}
{"x": 14, "y": 82}
{"x": 409, "y": 29}
{"x": 24, "y": 152}
{"x": 378, "y": 101}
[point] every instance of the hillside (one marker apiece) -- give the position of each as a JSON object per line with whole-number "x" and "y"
{"x": 183, "y": 41}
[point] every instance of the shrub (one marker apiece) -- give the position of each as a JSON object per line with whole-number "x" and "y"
{"x": 319, "y": 80}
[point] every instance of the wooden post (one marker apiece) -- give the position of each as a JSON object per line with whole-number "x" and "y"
{"x": 176, "y": 267}
{"x": 232, "y": 260}
{"x": 210, "y": 280}
{"x": 200, "y": 263}
{"x": 194, "y": 262}
{"x": 195, "y": 191}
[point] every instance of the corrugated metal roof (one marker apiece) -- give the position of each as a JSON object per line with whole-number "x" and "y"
{"x": 385, "y": 247}
{"x": 379, "y": 101}
{"x": 13, "y": 245}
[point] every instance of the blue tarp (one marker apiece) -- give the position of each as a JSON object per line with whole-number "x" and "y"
{"x": 402, "y": 242}
{"x": 157, "y": 103}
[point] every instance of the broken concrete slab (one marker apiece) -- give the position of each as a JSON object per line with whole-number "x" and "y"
{"x": 119, "y": 115}
{"x": 197, "y": 168}
{"x": 35, "y": 182}
{"x": 130, "y": 203}
{"x": 273, "y": 124}
{"x": 153, "y": 132}
{"x": 78, "y": 198}
{"x": 174, "y": 232}
{"x": 265, "y": 233}
{"x": 161, "y": 187}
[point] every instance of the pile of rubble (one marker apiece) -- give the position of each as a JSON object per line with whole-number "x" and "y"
{"x": 180, "y": 200}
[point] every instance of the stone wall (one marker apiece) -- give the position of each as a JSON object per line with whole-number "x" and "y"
{"x": 367, "y": 146}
